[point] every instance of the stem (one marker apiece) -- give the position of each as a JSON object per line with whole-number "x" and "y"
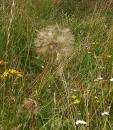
{"x": 33, "y": 121}
{"x": 10, "y": 24}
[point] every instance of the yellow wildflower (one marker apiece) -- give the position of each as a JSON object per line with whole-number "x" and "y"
{"x": 15, "y": 72}
{"x": 96, "y": 99}
{"x": 77, "y": 101}
{"x": 5, "y": 74}
{"x": 11, "y": 72}
{"x": 19, "y": 75}
{"x": 73, "y": 97}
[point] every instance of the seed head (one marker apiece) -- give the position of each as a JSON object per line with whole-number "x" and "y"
{"x": 31, "y": 105}
{"x": 55, "y": 40}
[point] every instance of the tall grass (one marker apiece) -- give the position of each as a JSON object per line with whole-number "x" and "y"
{"x": 79, "y": 94}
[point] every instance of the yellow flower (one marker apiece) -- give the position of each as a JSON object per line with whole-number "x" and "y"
{"x": 19, "y": 75}
{"x": 5, "y": 74}
{"x": 77, "y": 101}
{"x": 96, "y": 99}
{"x": 15, "y": 72}
{"x": 11, "y": 72}
{"x": 73, "y": 97}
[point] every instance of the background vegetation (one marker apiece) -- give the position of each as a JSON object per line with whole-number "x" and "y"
{"x": 91, "y": 22}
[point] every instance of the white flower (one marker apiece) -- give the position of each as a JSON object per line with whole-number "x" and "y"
{"x": 42, "y": 67}
{"x": 105, "y": 113}
{"x": 98, "y": 79}
{"x": 81, "y": 122}
{"x": 111, "y": 79}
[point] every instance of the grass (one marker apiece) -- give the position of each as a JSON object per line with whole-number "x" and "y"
{"x": 92, "y": 58}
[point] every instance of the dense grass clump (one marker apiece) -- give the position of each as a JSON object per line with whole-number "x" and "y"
{"x": 56, "y": 65}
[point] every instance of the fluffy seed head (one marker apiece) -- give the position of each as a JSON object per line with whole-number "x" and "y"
{"x": 55, "y": 40}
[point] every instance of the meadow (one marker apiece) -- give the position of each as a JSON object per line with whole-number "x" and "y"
{"x": 56, "y": 65}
